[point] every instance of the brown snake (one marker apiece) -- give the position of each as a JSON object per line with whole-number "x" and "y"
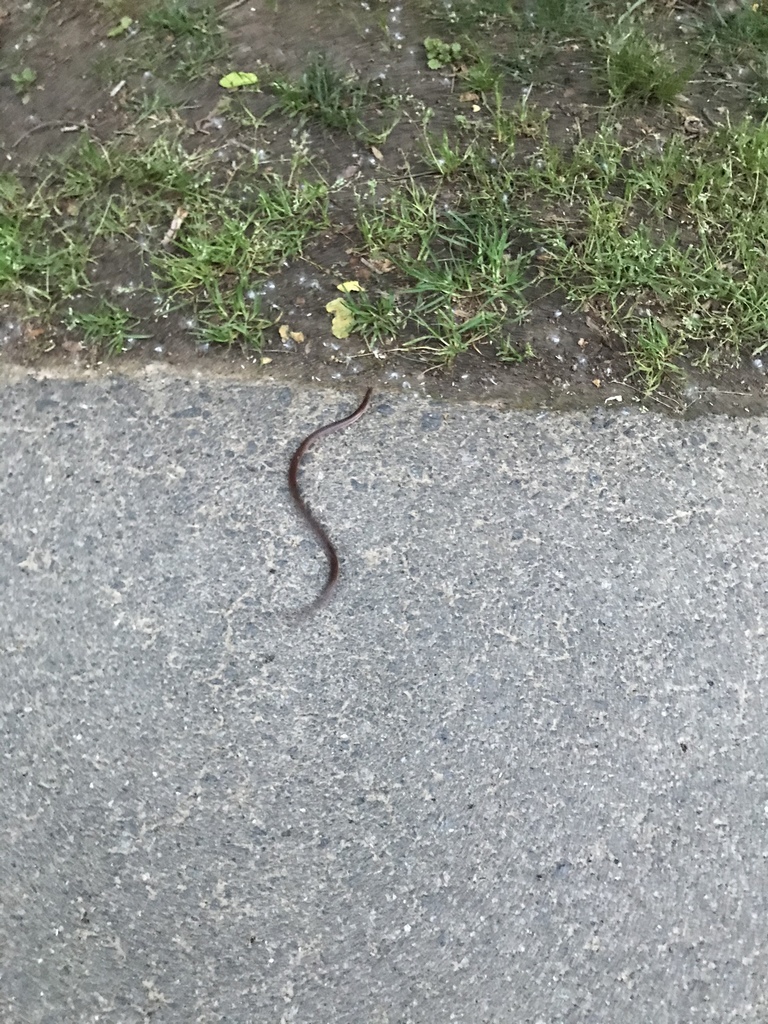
{"x": 301, "y": 505}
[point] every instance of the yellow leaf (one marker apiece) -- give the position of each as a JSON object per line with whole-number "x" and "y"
{"x": 265, "y": 360}
{"x": 350, "y": 286}
{"x": 237, "y": 79}
{"x": 343, "y": 318}
{"x": 122, "y": 26}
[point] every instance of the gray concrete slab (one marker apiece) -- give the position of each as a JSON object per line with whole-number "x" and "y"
{"x": 515, "y": 773}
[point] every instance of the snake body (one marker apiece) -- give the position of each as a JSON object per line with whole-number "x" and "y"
{"x": 293, "y": 486}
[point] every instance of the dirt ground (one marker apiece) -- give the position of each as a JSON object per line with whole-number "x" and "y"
{"x": 81, "y": 86}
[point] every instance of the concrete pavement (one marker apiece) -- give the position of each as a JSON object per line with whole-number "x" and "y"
{"x": 517, "y": 772}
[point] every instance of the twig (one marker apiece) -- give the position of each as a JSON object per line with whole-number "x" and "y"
{"x": 64, "y": 125}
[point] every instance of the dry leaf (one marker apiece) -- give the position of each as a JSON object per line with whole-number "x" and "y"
{"x": 179, "y": 217}
{"x": 693, "y": 125}
{"x": 378, "y": 266}
{"x": 597, "y": 382}
{"x": 378, "y": 154}
{"x": 287, "y": 334}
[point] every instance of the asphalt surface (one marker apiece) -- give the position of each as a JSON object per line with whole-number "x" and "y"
{"x": 516, "y": 772}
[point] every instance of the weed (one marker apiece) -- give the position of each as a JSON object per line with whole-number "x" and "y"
{"x": 24, "y": 80}
{"x": 106, "y": 327}
{"x": 405, "y": 221}
{"x": 379, "y": 321}
{"x": 440, "y": 54}
{"x": 231, "y": 313}
{"x": 638, "y": 68}
{"x": 444, "y": 156}
{"x": 325, "y": 94}
{"x": 653, "y": 355}
{"x": 508, "y": 124}
{"x": 507, "y": 352}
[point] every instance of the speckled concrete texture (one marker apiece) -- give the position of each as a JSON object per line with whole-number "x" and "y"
{"x": 515, "y": 773}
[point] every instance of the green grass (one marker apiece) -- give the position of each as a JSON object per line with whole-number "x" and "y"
{"x": 473, "y": 15}
{"x": 245, "y": 237}
{"x": 444, "y": 153}
{"x": 224, "y": 250}
{"x": 681, "y": 234}
{"x": 481, "y": 74}
{"x": 113, "y": 188}
{"x": 178, "y": 39}
{"x": 659, "y": 237}
{"x": 41, "y": 261}
{"x": 399, "y": 221}
{"x": 324, "y": 93}
{"x": 561, "y": 19}
{"x": 230, "y": 313}
{"x": 209, "y": 243}
{"x": 669, "y": 248}
{"x": 742, "y": 33}
{"x": 460, "y": 278}
{"x": 187, "y": 34}
{"x": 739, "y": 37}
